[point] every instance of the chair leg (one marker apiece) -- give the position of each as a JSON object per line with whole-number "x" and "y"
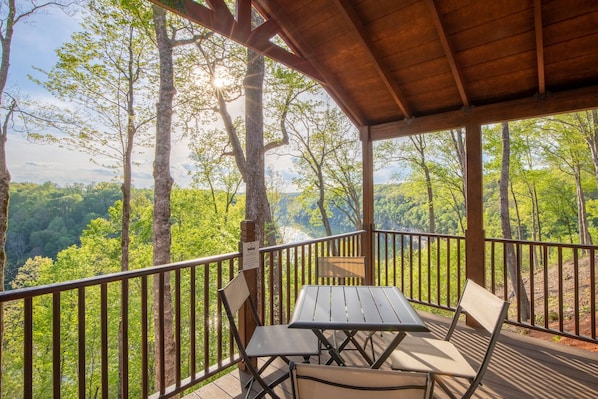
{"x": 439, "y": 381}
{"x": 256, "y": 376}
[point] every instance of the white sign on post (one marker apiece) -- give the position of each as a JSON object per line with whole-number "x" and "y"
{"x": 251, "y": 255}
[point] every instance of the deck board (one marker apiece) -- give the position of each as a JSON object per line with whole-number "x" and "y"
{"x": 521, "y": 367}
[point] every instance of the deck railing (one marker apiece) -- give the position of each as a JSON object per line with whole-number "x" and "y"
{"x": 62, "y": 340}
{"x": 69, "y": 339}
{"x": 557, "y": 282}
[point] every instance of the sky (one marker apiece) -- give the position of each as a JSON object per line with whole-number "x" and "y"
{"x": 34, "y": 43}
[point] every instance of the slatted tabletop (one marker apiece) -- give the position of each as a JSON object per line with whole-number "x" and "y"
{"x": 340, "y": 307}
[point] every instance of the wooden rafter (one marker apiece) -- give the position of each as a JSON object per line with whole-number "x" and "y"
{"x": 328, "y": 81}
{"x": 539, "y": 46}
{"x": 354, "y": 21}
{"x": 448, "y": 51}
{"x": 219, "y": 19}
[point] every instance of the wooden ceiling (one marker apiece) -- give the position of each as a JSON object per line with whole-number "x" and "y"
{"x": 408, "y": 66}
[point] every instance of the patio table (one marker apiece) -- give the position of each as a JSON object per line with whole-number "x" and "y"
{"x": 355, "y": 308}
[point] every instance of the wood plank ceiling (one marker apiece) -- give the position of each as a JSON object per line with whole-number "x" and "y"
{"x": 425, "y": 64}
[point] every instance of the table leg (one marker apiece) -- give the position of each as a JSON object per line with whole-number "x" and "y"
{"x": 391, "y": 347}
{"x": 334, "y": 355}
{"x": 351, "y": 338}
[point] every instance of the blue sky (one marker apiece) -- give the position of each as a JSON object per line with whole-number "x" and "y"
{"x": 34, "y": 43}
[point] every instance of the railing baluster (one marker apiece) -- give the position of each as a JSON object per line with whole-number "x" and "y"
{"x": 81, "y": 343}
{"x": 177, "y": 326}
{"x": 161, "y": 325}
{"x": 28, "y": 348}
{"x": 104, "y": 339}
{"x": 125, "y": 338}
{"x": 144, "y": 338}
{"x": 593, "y": 288}
{"x": 206, "y": 318}
{"x": 192, "y": 321}
{"x": 56, "y": 347}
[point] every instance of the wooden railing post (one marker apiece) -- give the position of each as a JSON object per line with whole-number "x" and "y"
{"x": 247, "y": 323}
{"x": 474, "y": 235}
{"x": 367, "y": 162}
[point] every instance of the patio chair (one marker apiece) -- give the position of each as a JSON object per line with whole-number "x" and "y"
{"x": 341, "y": 270}
{"x": 267, "y": 341}
{"x": 441, "y": 357}
{"x": 314, "y": 381}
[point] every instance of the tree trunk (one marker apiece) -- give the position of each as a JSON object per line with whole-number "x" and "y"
{"x": 589, "y": 129}
{"x": 4, "y": 201}
{"x": 165, "y": 373}
{"x": 322, "y": 206}
{"x": 257, "y": 207}
{"x": 582, "y": 217}
{"x": 518, "y": 286}
{"x": 419, "y": 142}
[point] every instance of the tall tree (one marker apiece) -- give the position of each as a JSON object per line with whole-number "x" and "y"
{"x": 412, "y": 152}
{"x": 505, "y": 221}
{"x": 232, "y": 70}
{"x": 448, "y": 151}
{"x": 165, "y": 365}
{"x": 102, "y": 75}
{"x": 11, "y": 14}
{"x": 566, "y": 150}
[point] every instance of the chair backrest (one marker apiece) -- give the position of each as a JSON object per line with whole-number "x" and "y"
{"x": 311, "y": 381}
{"x": 341, "y": 269}
{"x": 490, "y": 312}
{"x": 484, "y": 307}
{"x": 233, "y": 296}
{"x": 235, "y": 293}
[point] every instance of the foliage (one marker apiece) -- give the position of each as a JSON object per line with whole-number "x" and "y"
{"x": 552, "y": 182}
{"x": 45, "y": 219}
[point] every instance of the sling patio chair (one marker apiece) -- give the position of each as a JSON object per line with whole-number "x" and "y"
{"x": 267, "y": 341}
{"x": 441, "y": 358}
{"x": 339, "y": 270}
{"x": 314, "y": 381}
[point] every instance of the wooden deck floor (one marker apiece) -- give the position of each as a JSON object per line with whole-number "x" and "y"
{"x": 521, "y": 367}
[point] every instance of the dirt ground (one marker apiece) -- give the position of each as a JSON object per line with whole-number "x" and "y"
{"x": 568, "y": 289}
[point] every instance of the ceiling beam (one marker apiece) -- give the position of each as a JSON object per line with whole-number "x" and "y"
{"x": 219, "y": 19}
{"x": 539, "y": 46}
{"x": 353, "y": 20}
{"x": 448, "y": 51}
{"x": 532, "y": 107}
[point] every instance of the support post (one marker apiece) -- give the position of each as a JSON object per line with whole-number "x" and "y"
{"x": 474, "y": 235}
{"x": 367, "y": 165}
{"x": 246, "y": 321}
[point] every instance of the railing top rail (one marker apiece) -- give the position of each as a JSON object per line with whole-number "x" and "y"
{"x": 419, "y": 233}
{"x": 30, "y": 292}
{"x": 543, "y": 243}
{"x": 108, "y": 278}
{"x": 310, "y": 241}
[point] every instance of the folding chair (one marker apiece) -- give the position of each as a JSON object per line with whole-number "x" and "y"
{"x": 441, "y": 358}
{"x": 313, "y": 381}
{"x": 340, "y": 270}
{"x": 267, "y": 341}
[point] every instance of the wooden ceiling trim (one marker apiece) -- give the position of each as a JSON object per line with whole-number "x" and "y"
{"x": 220, "y": 20}
{"x": 353, "y": 20}
{"x": 448, "y": 50}
{"x": 330, "y": 83}
{"x": 531, "y": 107}
{"x": 539, "y": 46}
